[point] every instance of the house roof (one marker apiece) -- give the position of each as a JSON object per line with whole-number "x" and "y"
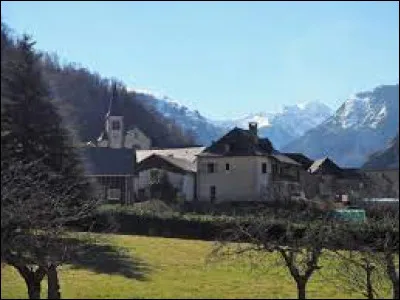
{"x": 325, "y": 166}
{"x": 108, "y": 161}
{"x": 188, "y": 154}
{"x": 172, "y": 164}
{"x": 351, "y": 173}
{"x": 284, "y": 159}
{"x": 301, "y": 159}
{"x": 239, "y": 142}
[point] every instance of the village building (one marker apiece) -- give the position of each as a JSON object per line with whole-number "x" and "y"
{"x": 240, "y": 166}
{"x": 111, "y": 159}
{"x": 115, "y": 134}
{"x": 177, "y": 165}
{"x": 113, "y": 172}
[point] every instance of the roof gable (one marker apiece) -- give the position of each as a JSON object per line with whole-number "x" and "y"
{"x": 239, "y": 142}
{"x": 172, "y": 164}
{"x": 188, "y": 153}
{"x": 305, "y": 161}
{"x": 325, "y": 166}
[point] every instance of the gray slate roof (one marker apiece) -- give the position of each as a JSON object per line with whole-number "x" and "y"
{"x": 239, "y": 142}
{"x": 284, "y": 159}
{"x": 305, "y": 161}
{"x": 108, "y": 161}
{"x": 169, "y": 163}
{"x": 325, "y": 166}
{"x": 188, "y": 153}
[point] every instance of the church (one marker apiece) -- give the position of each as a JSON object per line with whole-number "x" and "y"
{"x": 115, "y": 134}
{"x": 110, "y": 161}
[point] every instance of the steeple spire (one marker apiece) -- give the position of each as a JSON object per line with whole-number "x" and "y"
{"x": 114, "y": 108}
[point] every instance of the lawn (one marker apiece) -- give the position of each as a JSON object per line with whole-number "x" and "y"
{"x": 177, "y": 268}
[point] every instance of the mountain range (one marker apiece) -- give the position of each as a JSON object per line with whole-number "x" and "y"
{"x": 280, "y": 127}
{"x": 286, "y": 125}
{"x": 362, "y": 125}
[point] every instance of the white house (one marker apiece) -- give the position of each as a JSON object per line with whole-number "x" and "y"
{"x": 240, "y": 166}
{"x": 180, "y": 173}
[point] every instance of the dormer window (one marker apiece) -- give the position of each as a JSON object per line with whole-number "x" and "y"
{"x": 115, "y": 125}
{"x": 228, "y": 147}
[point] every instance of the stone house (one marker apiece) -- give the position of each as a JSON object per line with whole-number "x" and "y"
{"x": 113, "y": 171}
{"x": 180, "y": 173}
{"x": 240, "y": 166}
{"x": 178, "y": 164}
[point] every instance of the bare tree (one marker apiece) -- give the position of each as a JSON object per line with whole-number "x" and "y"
{"x": 390, "y": 245}
{"x": 366, "y": 255}
{"x": 298, "y": 240}
{"x": 359, "y": 271}
{"x": 34, "y": 219}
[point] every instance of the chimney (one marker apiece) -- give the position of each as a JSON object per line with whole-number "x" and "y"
{"x": 253, "y": 128}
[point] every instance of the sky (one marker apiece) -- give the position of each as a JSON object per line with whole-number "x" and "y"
{"x": 225, "y": 59}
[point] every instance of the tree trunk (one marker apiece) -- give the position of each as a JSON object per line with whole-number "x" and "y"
{"x": 370, "y": 291}
{"x": 53, "y": 285}
{"x": 34, "y": 289}
{"x": 32, "y": 280}
{"x": 396, "y": 291}
{"x": 393, "y": 273}
{"x": 301, "y": 289}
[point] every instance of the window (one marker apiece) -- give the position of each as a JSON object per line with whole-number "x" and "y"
{"x": 115, "y": 125}
{"x": 212, "y": 193}
{"x": 210, "y": 168}
{"x": 264, "y": 168}
{"x": 227, "y": 167}
{"x": 228, "y": 147}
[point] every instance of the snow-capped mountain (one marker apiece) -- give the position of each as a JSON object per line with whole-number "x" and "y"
{"x": 287, "y": 124}
{"x": 190, "y": 121}
{"x": 281, "y": 127}
{"x": 362, "y": 125}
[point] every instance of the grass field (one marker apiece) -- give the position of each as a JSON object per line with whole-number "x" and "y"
{"x": 175, "y": 268}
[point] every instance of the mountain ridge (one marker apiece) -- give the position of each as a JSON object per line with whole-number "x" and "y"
{"x": 280, "y": 127}
{"x": 360, "y": 126}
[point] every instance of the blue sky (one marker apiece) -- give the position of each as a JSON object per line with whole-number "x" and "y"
{"x": 225, "y": 59}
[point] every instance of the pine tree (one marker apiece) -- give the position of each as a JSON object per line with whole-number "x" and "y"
{"x": 35, "y": 129}
{"x": 42, "y": 182}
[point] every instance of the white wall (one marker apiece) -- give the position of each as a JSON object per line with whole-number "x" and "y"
{"x": 135, "y": 137}
{"x": 243, "y": 181}
{"x": 183, "y": 182}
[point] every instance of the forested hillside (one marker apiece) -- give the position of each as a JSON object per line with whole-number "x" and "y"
{"x": 83, "y": 98}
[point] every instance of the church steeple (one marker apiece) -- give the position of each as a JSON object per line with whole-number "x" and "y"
{"x": 114, "y": 108}
{"x": 115, "y": 120}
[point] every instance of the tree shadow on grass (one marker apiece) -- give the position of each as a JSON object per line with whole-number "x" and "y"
{"x": 106, "y": 259}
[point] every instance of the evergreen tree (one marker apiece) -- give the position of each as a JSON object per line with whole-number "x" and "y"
{"x": 42, "y": 184}
{"x": 35, "y": 129}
